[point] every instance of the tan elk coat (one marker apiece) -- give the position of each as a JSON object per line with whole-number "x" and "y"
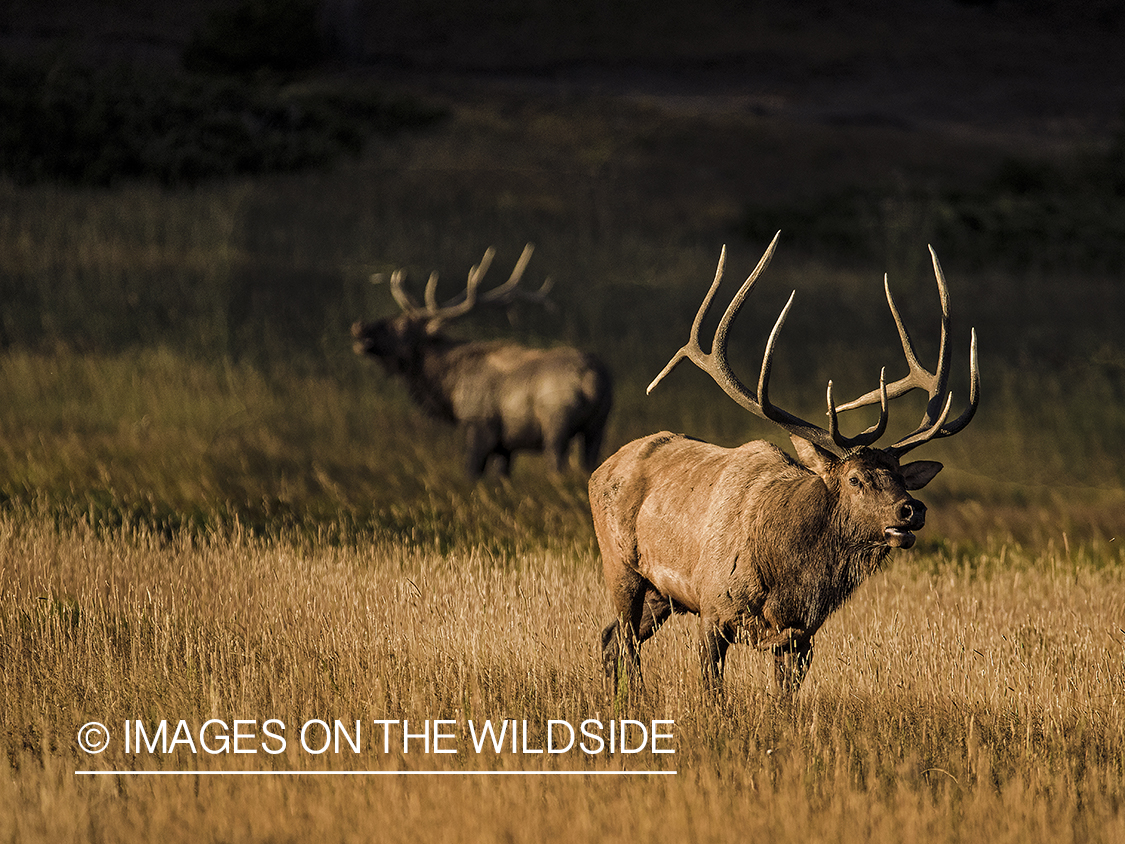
{"x": 761, "y": 546}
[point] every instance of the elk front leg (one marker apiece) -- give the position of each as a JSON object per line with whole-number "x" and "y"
{"x": 713, "y": 644}
{"x": 481, "y": 440}
{"x": 791, "y": 662}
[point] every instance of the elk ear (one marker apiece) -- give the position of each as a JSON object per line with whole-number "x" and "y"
{"x": 919, "y": 473}
{"x": 812, "y": 455}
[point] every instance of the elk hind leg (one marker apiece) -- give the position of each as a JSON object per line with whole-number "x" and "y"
{"x": 657, "y": 608}
{"x": 647, "y": 609}
{"x": 592, "y": 437}
{"x": 556, "y": 442}
{"x": 503, "y": 461}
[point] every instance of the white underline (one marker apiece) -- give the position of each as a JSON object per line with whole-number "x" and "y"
{"x": 378, "y": 773}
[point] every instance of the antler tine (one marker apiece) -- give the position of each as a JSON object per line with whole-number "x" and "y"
{"x": 918, "y": 377}
{"x": 509, "y": 292}
{"x": 720, "y": 344}
{"x": 716, "y": 358}
{"x": 925, "y": 434}
{"x": 933, "y": 425}
{"x": 715, "y": 364}
{"x": 431, "y": 293}
{"x": 464, "y": 302}
{"x": 404, "y": 299}
{"x": 766, "y": 409}
{"x": 939, "y": 429}
{"x": 872, "y": 434}
{"x": 506, "y": 293}
{"x": 692, "y": 349}
{"x": 505, "y": 289}
{"x": 476, "y": 276}
{"x": 935, "y": 383}
{"x": 806, "y": 430}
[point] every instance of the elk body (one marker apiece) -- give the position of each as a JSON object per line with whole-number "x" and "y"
{"x": 761, "y": 546}
{"x": 505, "y": 397}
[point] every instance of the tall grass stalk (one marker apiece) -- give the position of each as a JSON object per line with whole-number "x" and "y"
{"x": 964, "y": 698}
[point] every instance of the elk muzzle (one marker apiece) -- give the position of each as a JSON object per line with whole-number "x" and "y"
{"x": 371, "y": 339}
{"x": 361, "y": 344}
{"x": 911, "y": 515}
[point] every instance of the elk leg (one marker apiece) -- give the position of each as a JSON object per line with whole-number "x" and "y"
{"x": 562, "y": 458}
{"x": 611, "y": 650}
{"x": 791, "y": 663}
{"x": 655, "y": 611}
{"x": 591, "y": 448}
{"x": 556, "y": 442}
{"x": 481, "y": 441}
{"x": 620, "y": 639}
{"x": 503, "y": 461}
{"x": 713, "y": 652}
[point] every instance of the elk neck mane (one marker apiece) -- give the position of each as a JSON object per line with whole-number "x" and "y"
{"x": 435, "y": 367}
{"x": 805, "y": 538}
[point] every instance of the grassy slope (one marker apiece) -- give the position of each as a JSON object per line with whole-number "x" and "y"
{"x": 163, "y": 342}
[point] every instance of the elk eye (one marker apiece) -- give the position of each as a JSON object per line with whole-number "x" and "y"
{"x": 854, "y": 481}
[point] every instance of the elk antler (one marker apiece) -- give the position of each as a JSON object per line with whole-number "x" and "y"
{"x": 933, "y": 425}
{"x": 506, "y": 294}
{"x": 714, "y": 363}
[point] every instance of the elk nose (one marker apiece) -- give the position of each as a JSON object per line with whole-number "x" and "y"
{"x": 912, "y": 511}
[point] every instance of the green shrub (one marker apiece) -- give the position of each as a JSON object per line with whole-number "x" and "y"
{"x": 64, "y": 122}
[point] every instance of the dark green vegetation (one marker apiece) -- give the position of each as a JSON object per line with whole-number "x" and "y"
{"x": 241, "y": 100}
{"x": 1025, "y": 217}
{"x": 66, "y": 122}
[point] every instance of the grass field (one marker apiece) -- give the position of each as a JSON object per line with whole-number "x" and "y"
{"x": 269, "y": 531}
{"x": 960, "y": 697}
{"x": 212, "y": 511}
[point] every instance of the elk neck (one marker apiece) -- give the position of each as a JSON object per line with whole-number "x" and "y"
{"x": 814, "y": 550}
{"x": 440, "y": 372}
{"x": 431, "y": 372}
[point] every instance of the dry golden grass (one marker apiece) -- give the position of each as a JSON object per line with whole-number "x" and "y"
{"x": 959, "y": 697}
{"x": 211, "y": 509}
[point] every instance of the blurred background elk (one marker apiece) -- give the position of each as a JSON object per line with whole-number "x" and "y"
{"x": 504, "y": 396}
{"x": 762, "y": 547}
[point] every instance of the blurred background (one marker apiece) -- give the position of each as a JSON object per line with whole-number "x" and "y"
{"x": 194, "y": 196}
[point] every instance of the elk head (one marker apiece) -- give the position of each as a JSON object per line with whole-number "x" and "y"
{"x": 870, "y": 486}
{"x": 395, "y": 340}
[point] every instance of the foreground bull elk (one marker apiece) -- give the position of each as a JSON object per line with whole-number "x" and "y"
{"x": 762, "y": 547}
{"x": 504, "y": 396}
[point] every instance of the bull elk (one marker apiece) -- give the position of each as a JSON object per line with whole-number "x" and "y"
{"x": 505, "y": 397}
{"x": 762, "y": 547}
